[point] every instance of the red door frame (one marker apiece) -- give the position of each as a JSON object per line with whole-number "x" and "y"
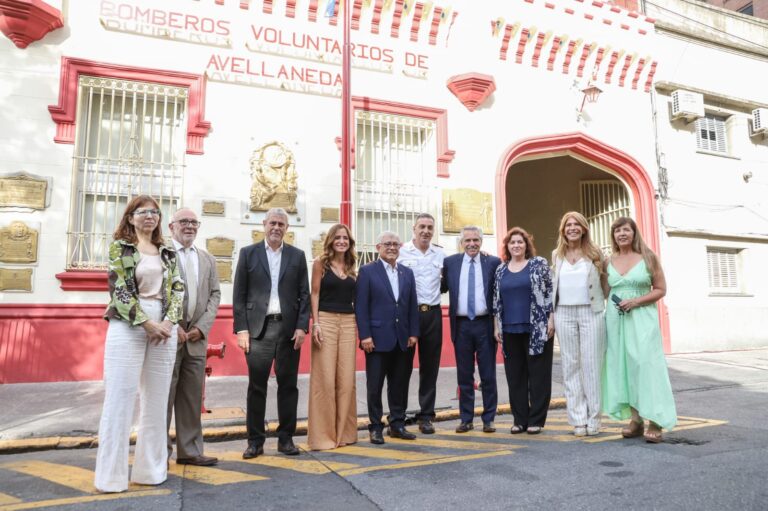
{"x": 593, "y": 150}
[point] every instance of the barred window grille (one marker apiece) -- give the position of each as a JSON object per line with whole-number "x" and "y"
{"x": 710, "y": 133}
{"x": 722, "y": 266}
{"x": 131, "y": 140}
{"x": 602, "y": 202}
{"x": 393, "y": 177}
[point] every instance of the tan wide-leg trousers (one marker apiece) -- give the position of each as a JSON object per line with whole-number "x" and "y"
{"x": 332, "y": 395}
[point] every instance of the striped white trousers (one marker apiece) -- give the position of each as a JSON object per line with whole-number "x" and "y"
{"x": 581, "y": 333}
{"x": 131, "y": 365}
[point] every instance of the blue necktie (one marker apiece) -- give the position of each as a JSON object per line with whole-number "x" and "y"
{"x": 471, "y": 290}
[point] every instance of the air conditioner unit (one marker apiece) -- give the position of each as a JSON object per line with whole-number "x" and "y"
{"x": 687, "y": 105}
{"x": 760, "y": 121}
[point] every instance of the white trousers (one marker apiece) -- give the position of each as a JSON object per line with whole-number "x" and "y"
{"x": 132, "y": 364}
{"x": 581, "y": 333}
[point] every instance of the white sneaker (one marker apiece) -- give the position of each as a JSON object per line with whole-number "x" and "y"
{"x": 593, "y": 431}
{"x": 580, "y": 431}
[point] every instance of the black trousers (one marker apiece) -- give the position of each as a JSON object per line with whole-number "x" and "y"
{"x": 395, "y": 366}
{"x": 529, "y": 379}
{"x": 272, "y": 347}
{"x": 430, "y": 348}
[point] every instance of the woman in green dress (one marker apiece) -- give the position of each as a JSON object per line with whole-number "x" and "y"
{"x": 635, "y": 379}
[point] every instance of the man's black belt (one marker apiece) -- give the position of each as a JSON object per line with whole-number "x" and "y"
{"x": 273, "y": 317}
{"x": 476, "y": 317}
{"x": 425, "y": 307}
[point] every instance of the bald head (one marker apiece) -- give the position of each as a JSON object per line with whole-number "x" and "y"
{"x": 184, "y": 226}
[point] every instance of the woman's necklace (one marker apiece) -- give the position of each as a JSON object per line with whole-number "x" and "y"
{"x": 573, "y": 256}
{"x": 339, "y": 273}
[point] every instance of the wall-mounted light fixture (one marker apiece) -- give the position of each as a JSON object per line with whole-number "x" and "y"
{"x": 591, "y": 93}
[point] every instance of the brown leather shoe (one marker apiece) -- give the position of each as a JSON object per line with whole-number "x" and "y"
{"x": 198, "y": 461}
{"x": 252, "y": 451}
{"x": 464, "y": 427}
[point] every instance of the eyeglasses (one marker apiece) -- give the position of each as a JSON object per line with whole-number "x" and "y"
{"x": 390, "y": 244}
{"x": 147, "y": 212}
{"x": 185, "y": 222}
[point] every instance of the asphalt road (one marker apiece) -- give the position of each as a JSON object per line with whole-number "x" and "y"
{"x": 717, "y": 458}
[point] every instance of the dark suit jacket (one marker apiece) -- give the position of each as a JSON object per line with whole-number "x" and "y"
{"x": 388, "y": 321}
{"x": 252, "y": 286}
{"x": 450, "y": 283}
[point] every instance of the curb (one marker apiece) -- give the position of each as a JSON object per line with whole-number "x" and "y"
{"x": 214, "y": 433}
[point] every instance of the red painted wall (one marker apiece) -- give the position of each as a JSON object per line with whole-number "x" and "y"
{"x": 47, "y": 343}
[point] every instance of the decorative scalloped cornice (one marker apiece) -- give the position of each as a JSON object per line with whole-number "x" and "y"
{"x": 472, "y": 88}
{"x": 27, "y": 21}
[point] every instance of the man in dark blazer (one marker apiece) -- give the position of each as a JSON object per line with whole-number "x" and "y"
{"x": 387, "y": 317}
{"x": 201, "y": 302}
{"x": 271, "y": 317}
{"x": 469, "y": 279}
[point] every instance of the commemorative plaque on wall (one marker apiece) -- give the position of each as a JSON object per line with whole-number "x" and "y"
{"x": 24, "y": 190}
{"x": 213, "y": 208}
{"x": 224, "y": 269}
{"x": 317, "y": 246}
{"x": 220, "y": 246}
{"x": 330, "y": 215}
{"x": 18, "y": 243}
{"x": 464, "y": 206}
{"x": 16, "y": 279}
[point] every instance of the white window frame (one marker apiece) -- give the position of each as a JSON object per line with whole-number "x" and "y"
{"x": 712, "y": 133}
{"x": 725, "y": 270}
{"x": 130, "y": 140}
{"x": 394, "y": 176}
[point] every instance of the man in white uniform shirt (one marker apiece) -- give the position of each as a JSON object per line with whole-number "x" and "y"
{"x": 425, "y": 259}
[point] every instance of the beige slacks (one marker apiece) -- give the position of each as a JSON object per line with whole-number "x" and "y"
{"x": 332, "y": 393}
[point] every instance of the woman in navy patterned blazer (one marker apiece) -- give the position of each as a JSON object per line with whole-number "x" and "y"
{"x": 522, "y": 305}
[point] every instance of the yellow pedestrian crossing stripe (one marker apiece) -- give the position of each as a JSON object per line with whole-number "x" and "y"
{"x": 442, "y": 447}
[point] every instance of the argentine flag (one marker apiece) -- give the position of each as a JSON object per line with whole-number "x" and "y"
{"x": 329, "y": 10}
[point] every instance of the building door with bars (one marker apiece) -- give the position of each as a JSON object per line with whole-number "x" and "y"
{"x": 131, "y": 140}
{"x": 394, "y": 177}
{"x": 602, "y": 202}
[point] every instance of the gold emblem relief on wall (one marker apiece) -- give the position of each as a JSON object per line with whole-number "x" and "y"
{"x": 464, "y": 206}
{"x": 273, "y": 178}
{"x": 18, "y": 243}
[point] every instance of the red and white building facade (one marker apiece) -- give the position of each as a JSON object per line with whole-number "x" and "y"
{"x": 495, "y": 100}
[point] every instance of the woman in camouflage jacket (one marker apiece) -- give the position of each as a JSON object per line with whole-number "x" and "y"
{"x": 146, "y": 294}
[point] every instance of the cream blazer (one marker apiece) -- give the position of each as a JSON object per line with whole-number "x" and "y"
{"x": 596, "y": 296}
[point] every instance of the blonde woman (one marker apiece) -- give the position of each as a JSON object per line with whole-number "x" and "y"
{"x": 332, "y": 396}
{"x": 577, "y": 265}
{"x": 635, "y": 379}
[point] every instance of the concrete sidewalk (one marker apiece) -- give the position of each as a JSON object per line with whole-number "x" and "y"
{"x": 38, "y": 416}
{"x": 41, "y": 416}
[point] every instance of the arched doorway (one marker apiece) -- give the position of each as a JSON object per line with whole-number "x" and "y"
{"x": 617, "y": 166}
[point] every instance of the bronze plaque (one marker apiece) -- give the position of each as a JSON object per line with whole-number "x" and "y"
{"x": 317, "y": 247}
{"x": 274, "y": 181}
{"x": 23, "y": 191}
{"x": 224, "y": 269}
{"x": 18, "y": 243}
{"x": 220, "y": 247}
{"x": 213, "y": 208}
{"x": 258, "y": 236}
{"x": 329, "y": 215}
{"x": 464, "y": 206}
{"x": 16, "y": 279}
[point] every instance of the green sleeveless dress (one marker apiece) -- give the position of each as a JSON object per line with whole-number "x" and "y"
{"x": 635, "y": 371}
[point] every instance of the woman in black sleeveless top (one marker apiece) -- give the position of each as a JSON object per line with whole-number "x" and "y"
{"x": 332, "y": 395}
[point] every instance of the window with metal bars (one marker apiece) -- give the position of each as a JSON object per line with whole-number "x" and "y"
{"x": 723, "y": 269}
{"x": 131, "y": 140}
{"x": 710, "y": 134}
{"x": 393, "y": 177}
{"x": 602, "y": 202}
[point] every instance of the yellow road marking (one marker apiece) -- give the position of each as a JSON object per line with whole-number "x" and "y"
{"x": 438, "y": 461}
{"x": 213, "y": 476}
{"x": 81, "y": 500}
{"x": 455, "y": 444}
{"x": 297, "y": 465}
{"x": 383, "y": 452}
{"x": 8, "y": 499}
{"x": 65, "y": 475}
{"x": 522, "y": 437}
